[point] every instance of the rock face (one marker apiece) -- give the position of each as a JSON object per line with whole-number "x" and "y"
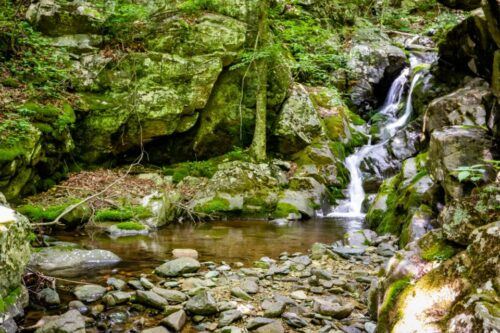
{"x": 454, "y": 147}
{"x": 298, "y": 122}
{"x": 375, "y": 63}
{"x": 467, "y": 106}
{"x": 14, "y": 255}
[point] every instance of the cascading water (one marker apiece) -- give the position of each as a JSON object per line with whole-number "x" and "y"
{"x": 356, "y": 194}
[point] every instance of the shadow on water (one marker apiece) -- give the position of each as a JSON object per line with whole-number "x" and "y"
{"x": 229, "y": 241}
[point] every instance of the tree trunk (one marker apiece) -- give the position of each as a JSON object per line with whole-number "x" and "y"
{"x": 258, "y": 146}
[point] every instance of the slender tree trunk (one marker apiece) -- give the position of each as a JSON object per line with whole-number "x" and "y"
{"x": 258, "y": 146}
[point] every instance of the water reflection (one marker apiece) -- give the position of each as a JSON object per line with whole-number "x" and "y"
{"x": 230, "y": 241}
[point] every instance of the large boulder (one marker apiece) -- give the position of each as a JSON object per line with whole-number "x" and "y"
{"x": 468, "y": 48}
{"x": 454, "y": 147}
{"x": 298, "y": 123}
{"x": 67, "y": 260}
{"x": 374, "y": 63}
{"x": 57, "y": 18}
{"x": 469, "y": 105}
{"x": 460, "y": 217}
{"x": 459, "y": 295}
{"x": 14, "y": 255}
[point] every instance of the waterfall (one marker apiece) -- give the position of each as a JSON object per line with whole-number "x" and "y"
{"x": 356, "y": 193}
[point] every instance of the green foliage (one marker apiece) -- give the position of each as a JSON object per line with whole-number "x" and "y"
{"x": 126, "y": 23}
{"x": 9, "y": 300}
{"x": 193, "y": 6}
{"x": 314, "y": 47}
{"x": 130, "y": 225}
{"x": 475, "y": 173}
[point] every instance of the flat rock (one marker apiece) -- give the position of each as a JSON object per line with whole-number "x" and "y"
{"x": 178, "y": 267}
{"x": 228, "y": 317}
{"x": 240, "y": 293}
{"x": 64, "y": 262}
{"x": 347, "y": 251}
{"x": 89, "y": 292}
{"x": 274, "y": 327}
{"x": 157, "y": 329}
{"x": 173, "y": 296}
{"x": 151, "y": 299}
{"x": 180, "y": 253}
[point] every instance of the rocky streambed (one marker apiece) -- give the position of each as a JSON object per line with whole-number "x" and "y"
{"x": 323, "y": 289}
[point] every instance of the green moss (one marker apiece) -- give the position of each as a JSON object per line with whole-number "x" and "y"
{"x": 130, "y": 225}
{"x": 284, "y": 209}
{"x": 392, "y": 293}
{"x": 194, "y": 169}
{"x": 122, "y": 214}
{"x": 10, "y": 299}
{"x": 440, "y": 250}
{"x": 214, "y": 205}
{"x": 40, "y": 213}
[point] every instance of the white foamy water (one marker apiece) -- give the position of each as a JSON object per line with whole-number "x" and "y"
{"x": 353, "y": 206}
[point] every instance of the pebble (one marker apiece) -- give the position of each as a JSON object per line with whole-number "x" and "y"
{"x": 228, "y": 317}
{"x": 190, "y": 253}
{"x": 175, "y": 321}
{"x": 116, "y": 283}
{"x": 240, "y": 293}
{"x": 89, "y": 293}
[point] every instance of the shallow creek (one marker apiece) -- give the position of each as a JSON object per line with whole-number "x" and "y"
{"x": 229, "y": 241}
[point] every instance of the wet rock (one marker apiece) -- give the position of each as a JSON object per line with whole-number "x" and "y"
{"x": 179, "y": 253}
{"x": 173, "y": 296}
{"x": 116, "y": 297}
{"x": 274, "y": 327}
{"x": 135, "y": 284}
{"x": 69, "y": 322}
{"x": 151, "y": 299}
{"x": 294, "y": 320}
{"x": 228, "y": 317}
{"x": 49, "y": 296}
{"x": 178, "y": 267}
{"x": 146, "y": 283}
{"x": 114, "y": 231}
{"x": 64, "y": 262}
{"x": 89, "y": 293}
{"x": 175, "y": 321}
{"x": 202, "y": 304}
{"x": 116, "y": 283}
{"x": 240, "y": 293}
{"x": 374, "y": 63}
{"x": 79, "y": 306}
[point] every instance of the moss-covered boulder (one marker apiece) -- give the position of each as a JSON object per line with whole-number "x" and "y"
{"x": 405, "y": 203}
{"x": 462, "y": 4}
{"x": 454, "y": 147}
{"x": 57, "y": 18}
{"x": 298, "y": 123}
{"x": 14, "y": 256}
{"x": 461, "y": 292}
{"x": 229, "y": 117}
{"x": 460, "y": 217}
